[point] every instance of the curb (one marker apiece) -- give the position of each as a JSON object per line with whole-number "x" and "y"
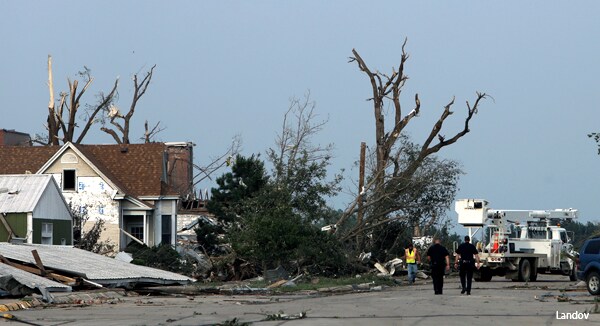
{"x": 82, "y": 298}
{"x": 21, "y": 305}
{"x": 87, "y": 298}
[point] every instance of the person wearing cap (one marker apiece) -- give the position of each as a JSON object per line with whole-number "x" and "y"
{"x": 412, "y": 258}
{"x": 466, "y": 254}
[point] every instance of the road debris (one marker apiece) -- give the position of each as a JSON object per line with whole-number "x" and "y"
{"x": 382, "y": 269}
{"x": 282, "y": 316}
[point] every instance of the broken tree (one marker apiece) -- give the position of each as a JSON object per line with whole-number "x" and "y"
{"x": 62, "y": 120}
{"x": 391, "y": 173}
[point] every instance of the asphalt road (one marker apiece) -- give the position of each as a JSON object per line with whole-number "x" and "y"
{"x": 499, "y": 302}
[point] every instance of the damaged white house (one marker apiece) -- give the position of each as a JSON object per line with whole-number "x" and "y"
{"x": 135, "y": 188}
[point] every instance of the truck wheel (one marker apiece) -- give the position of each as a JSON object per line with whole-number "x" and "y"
{"x": 524, "y": 270}
{"x": 486, "y": 274}
{"x": 534, "y": 271}
{"x": 593, "y": 283}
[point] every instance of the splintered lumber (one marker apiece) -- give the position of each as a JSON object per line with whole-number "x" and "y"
{"x": 277, "y": 284}
{"x": 38, "y": 262}
{"x": 4, "y": 260}
{"x": 7, "y": 227}
{"x": 57, "y": 277}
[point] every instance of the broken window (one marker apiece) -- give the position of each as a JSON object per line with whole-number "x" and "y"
{"x": 69, "y": 180}
{"x": 47, "y": 229}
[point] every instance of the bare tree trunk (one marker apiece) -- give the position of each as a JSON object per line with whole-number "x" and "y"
{"x": 140, "y": 88}
{"x": 149, "y": 134}
{"x": 388, "y": 87}
{"x": 52, "y": 123}
{"x": 58, "y": 123}
{"x": 105, "y": 102}
{"x": 361, "y": 194}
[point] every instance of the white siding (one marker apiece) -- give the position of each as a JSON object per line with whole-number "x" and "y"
{"x": 96, "y": 196}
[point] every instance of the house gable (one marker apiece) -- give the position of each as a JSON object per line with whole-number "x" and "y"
{"x": 51, "y": 204}
{"x": 28, "y": 200}
{"x": 70, "y": 157}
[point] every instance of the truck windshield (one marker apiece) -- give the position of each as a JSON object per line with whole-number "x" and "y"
{"x": 515, "y": 231}
{"x": 537, "y": 232}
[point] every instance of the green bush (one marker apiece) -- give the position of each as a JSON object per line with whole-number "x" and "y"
{"x": 163, "y": 257}
{"x": 274, "y": 234}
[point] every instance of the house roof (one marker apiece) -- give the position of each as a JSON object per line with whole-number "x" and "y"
{"x": 21, "y": 193}
{"x": 94, "y": 267}
{"x": 23, "y": 159}
{"x": 33, "y": 281}
{"x": 137, "y": 169}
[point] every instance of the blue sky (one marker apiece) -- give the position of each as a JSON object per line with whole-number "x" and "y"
{"x": 230, "y": 67}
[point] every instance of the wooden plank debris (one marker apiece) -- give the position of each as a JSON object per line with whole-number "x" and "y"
{"x": 7, "y": 227}
{"x": 382, "y": 269}
{"x": 277, "y": 284}
{"x": 40, "y": 271}
{"x": 38, "y": 262}
{"x": 57, "y": 277}
{"x": 6, "y": 261}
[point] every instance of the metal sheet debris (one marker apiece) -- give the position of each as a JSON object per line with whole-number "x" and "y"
{"x": 96, "y": 268}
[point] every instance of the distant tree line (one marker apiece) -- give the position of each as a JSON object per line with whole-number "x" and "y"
{"x": 581, "y": 231}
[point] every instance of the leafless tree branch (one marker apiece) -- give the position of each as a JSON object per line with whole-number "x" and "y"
{"x": 150, "y": 133}
{"x": 140, "y": 87}
{"x": 387, "y": 168}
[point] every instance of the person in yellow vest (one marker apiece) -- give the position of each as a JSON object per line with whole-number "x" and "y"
{"x": 412, "y": 258}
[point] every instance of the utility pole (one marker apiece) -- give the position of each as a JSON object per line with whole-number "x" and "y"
{"x": 361, "y": 193}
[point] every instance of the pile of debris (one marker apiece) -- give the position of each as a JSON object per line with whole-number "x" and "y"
{"x": 393, "y": 267}
{"x": 28, "y": 268}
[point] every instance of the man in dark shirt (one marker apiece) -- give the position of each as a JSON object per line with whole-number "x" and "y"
{"x": 440, "y": 262}
{"x": 466, "y": 254}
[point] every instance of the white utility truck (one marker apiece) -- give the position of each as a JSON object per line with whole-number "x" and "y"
{"x": 518, "y": 244}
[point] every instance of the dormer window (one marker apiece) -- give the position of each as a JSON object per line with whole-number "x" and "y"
{"x": 69, "y": 179}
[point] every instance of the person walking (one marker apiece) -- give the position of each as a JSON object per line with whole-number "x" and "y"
{"x": 412, "y": 258}
{"x": 439, "y": 260}
{"x": 466, "y": 254}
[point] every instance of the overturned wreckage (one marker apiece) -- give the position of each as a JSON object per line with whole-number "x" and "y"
{"x": 68, "y": 266}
